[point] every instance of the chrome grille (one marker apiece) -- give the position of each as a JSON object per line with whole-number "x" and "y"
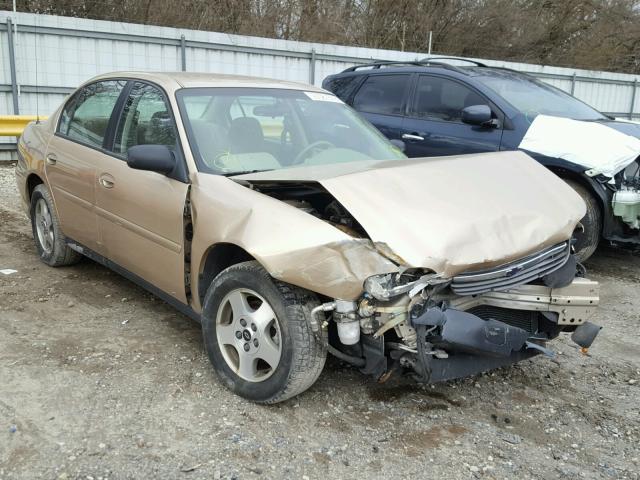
{"x": 512, "y": 274}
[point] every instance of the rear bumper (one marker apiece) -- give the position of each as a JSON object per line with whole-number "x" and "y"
{"x": 21, "y": 181}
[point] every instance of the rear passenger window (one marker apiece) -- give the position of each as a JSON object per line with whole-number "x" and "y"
{"x": 382, "y": 94}
{"x": 145, "y": 120}
{"x": 442, "y": 99}
{"x": 343, "y": 87}
{"x": 86, "y": 116}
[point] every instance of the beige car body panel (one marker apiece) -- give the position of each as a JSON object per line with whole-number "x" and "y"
{"x": 72, "y": 184}
{"x": 431, "y": 213}
{"x": 140, "y": 219}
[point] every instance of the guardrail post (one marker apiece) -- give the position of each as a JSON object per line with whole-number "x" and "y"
{"x": 573, "y": 83}
{"x": 633, "y": 99}
{"x": 312, "y": 67}
{"x": 12, "y": 67}
{"x": 183, "y": 52}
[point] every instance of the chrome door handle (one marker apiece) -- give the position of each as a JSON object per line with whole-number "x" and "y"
{"x": 51, "y": 159}
{"x": 409, "y": 136}
{"x": 106, "y": 181}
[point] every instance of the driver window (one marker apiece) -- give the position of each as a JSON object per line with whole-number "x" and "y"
{"x": 442, "y": 99}
{"x": 145, "y": 120}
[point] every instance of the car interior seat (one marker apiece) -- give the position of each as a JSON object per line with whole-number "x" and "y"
{"x": 246, "y": 136}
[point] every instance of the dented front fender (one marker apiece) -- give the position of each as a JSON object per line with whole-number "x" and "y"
{"x": 291, "y": 245}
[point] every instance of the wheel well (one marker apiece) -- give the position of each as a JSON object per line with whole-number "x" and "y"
{"x": 565, "y": 174}
{"x": 602, "y": 203}
{"x": 33, "y": 181}
{"x": 217, "y": 258}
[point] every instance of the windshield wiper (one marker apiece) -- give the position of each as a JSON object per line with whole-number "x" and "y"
{"x": 245, "y": 172}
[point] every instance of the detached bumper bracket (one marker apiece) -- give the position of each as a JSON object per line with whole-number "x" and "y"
{"x": 477, "y": 345}
{"x": 465, "y": 332}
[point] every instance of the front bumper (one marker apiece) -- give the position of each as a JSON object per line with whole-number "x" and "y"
{"x": 454, "y": 343}
{"x": 574, "y": 304}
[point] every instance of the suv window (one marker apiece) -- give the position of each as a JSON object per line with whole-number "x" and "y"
{"x": 343, "y": 87}
{"x": 443, "y": 99}
{"x": 382, "y": 94}
{"x": 145, "y": 120}
{"x": 86, "y": 116}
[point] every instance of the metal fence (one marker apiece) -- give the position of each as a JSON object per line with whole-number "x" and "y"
{"x": 43, "y": 58}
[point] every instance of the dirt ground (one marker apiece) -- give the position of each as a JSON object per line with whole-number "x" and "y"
{"x": 100, "y": 380}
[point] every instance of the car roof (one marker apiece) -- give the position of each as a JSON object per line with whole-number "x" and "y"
{"x": 177, "y": 80}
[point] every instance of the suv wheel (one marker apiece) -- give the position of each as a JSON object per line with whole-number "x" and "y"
{"x": 257, "y": 334}
{"x": 45, "y": 225}
{"x": 587, "y": 240}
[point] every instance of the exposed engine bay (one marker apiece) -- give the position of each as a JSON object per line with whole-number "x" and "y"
{"x": 311, "y": 198}
{"x": 626, "y": 198}
{"x": 439, "y": 328}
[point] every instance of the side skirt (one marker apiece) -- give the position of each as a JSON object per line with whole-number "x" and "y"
{"x": 96, "y": 257}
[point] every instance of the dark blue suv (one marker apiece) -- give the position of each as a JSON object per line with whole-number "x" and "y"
{"x": 435, "y": 108}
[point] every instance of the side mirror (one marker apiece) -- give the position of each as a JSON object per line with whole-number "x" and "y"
{"x": 477, "y": 115}
{"x": 398, "y": 143}
{"x": 154, "y": 158}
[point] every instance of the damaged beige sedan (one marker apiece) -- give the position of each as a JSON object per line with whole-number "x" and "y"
{"x": 290, "y": 228}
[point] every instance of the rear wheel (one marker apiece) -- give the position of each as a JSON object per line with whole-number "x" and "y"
{"x": 258, "y": 336}
{"x": 45, "y": 225}
{"x": 587, "y": 239}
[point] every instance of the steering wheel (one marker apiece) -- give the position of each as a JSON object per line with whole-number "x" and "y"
{"x": 319, "y": 146}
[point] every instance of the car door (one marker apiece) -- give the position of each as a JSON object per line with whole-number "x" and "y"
{"x": 140, "y": 213}
{"x": 382, "y": 99}
{"x": 434, "y": 126}
{"x": 73, "y": 155}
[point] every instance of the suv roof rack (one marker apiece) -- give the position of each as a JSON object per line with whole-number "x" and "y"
{"x": 416, "y": 63}
{"x": 437, "y": 59}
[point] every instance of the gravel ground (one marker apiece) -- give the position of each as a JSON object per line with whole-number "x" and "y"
{"x": 100, "y": 380}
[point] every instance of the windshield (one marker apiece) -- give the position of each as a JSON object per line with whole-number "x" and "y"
{"x": 533, "y": 98}
{"x": 239, "y": 130}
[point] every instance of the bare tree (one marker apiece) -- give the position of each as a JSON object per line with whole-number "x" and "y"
{"x": 594, "y": 34}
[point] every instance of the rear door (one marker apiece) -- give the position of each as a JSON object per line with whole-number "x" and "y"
{"x": 140, "y": 213}
{"x": 73, "y": 155}
{"x": 382, "y": 100}
{"x": 434, "y": 127}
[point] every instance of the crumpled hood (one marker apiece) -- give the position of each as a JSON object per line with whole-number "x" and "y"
{"x": 450, "y": 214}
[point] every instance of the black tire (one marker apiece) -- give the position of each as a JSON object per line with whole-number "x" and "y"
{"x": 303, "y": 353}
{"x": 587, "y": 240}
{"x": 58, "y": 254}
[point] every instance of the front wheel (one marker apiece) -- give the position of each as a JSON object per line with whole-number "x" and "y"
{"x": 587, "y": 239}
{"x": 257, "y": 334}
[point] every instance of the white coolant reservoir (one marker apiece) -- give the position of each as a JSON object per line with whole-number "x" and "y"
{"x": 626, "y": 204}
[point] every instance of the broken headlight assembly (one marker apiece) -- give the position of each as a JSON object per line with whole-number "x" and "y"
{"x": 388, "y": 286}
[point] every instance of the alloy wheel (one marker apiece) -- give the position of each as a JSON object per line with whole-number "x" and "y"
{"x": 249, "y": 335}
